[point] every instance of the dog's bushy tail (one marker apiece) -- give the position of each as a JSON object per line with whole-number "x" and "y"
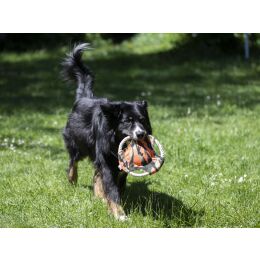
{"x": 74, "y": 69}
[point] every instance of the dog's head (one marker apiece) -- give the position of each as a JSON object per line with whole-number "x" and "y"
{"x": 128, "y": 118}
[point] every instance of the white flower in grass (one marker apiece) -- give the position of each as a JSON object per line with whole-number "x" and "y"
{"x": 12, "y": 147}
{"x": 20, "y": 141}
{"x": 218, "y": 103}
{"x": 186, "y": 176}
{"x": 241, "y": 179}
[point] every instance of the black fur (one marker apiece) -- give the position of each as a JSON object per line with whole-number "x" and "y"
{"x": 96, "y": 126}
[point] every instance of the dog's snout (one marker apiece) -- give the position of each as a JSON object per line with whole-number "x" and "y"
{"x": 140, "y": 134}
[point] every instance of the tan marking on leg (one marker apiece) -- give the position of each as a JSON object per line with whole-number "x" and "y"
{"x": 73, "y": 174}
{"x": 98, "y": 187}
{"x": 117, "y": 210}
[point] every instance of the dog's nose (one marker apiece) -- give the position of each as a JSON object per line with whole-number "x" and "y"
{"x": 140, "y": 134}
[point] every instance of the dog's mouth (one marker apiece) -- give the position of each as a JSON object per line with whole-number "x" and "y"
{"x": 137, "y": 134}
{"x": 138, "y": 138}
{"x": 135, "y": 137}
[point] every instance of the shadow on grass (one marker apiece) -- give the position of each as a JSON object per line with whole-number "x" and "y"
{"x": 171, "y": 211}
{"x": 161, "y": 205}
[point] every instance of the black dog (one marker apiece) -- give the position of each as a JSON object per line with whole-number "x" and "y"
{"x": 95, "y": 128}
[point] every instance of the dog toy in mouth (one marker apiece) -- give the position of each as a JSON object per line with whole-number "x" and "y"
{"x": 139, "y": 158}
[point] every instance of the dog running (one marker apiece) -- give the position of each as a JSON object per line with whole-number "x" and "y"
{"x": 95, "y": 128}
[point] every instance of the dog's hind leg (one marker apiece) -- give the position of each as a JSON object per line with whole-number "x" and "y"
{"x": 73, "y": 171}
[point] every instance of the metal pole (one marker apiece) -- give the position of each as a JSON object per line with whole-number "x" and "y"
{"x": 246, "y": 44}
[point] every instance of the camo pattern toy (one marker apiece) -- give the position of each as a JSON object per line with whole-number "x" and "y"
{"x": 139, "y": 158}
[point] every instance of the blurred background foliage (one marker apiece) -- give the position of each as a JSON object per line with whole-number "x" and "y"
{"x": 205, "y": 43}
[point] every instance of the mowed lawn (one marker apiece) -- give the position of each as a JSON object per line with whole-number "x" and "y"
{"x": 205, "y": 112}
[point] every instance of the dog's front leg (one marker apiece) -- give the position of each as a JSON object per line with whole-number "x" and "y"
{"x": 98, "y": 186}
{"x": 121, "y": 182}
{"x": 112, "y": 195}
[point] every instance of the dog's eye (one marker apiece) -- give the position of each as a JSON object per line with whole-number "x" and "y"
{"x": 128, "y": 119}
{"x": 141, "y": 118}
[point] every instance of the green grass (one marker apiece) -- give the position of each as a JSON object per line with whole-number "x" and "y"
{"x": 204, "y": 110}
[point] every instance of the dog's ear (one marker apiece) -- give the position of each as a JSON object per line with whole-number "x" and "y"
{"x": 111, "y": 109}
{"x": 142, "y": 103}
